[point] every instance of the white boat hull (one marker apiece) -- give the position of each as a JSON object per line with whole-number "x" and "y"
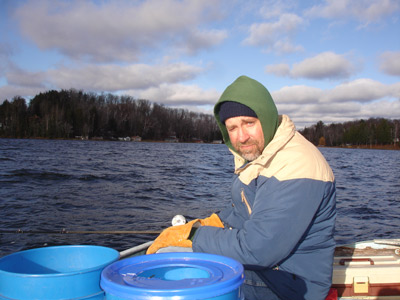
{"x": 368, "y": 270}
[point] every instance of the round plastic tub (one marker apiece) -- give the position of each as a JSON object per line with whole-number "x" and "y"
{"x": 177, "y": 276}
{"x": 59, "y": 272}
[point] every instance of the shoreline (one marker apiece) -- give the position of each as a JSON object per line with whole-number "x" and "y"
{"x": 368, "y": 147}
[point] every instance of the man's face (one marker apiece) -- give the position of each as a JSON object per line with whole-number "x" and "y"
{"x": 246, "y": 135}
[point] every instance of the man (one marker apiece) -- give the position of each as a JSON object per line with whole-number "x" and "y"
{"x": 280, "y": 223}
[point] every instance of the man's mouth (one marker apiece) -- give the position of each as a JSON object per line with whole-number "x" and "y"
{"x": 246, "y": 146}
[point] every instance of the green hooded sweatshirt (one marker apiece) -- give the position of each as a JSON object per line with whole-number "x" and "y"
{"x": 253, "y": 94}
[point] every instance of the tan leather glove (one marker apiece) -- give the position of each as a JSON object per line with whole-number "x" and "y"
{"x": 178, "y": 236}
{"x": 212, "y": 220}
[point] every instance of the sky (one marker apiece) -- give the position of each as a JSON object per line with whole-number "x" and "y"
{"x": 328, "y": 60}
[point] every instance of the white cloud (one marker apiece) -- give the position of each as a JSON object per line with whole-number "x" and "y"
{"x": 200, "y": 40}
{"x": 310, "y": 114}
{"x": 358, "y": 99}
{"x": 390, "y": 63}
{"x": 98, "y": 78}
{"x": 278, "y": 69}
{"x": 324, "y": 65}
{"x": 8, "y": 92}
{"x": 276, "y": 36}
{"x": 178, "y": 94}
{"x": 395, "y": 90}
{"x": 383, "y": 109}
{"x": 119, "y": 30}
{"x": 306, "y": 115}
{"x": 327, "y": 65}
{"x": 5, "y": 51}
{"x": 360, "y": 90}
{"x": 19, "y": 77}
{"x": 298, "y": 94}
{"x": 275, "y": 8}
{"x": 363, "y": 10}
{"x": 116, "y": 78}
{"x": 285, "y": 46}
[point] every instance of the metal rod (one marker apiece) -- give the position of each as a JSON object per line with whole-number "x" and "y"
{"x": 64, "y": 231}
{"x": 135, "y": 249}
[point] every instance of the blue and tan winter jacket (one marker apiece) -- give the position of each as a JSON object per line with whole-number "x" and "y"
{"x": 280, "y": 223}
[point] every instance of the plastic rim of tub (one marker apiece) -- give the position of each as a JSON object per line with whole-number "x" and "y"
{"x": 56, "y": 272}
{"x": 172, "y": 276}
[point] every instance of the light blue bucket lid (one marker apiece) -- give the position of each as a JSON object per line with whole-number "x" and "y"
{"x": 172, "y": 276}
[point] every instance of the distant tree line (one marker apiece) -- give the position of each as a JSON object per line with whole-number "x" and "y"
{"x": 372, "y": 132}
{"x": 70, "y": 113}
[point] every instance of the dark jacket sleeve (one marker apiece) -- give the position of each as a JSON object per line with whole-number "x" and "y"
{"x": 283, "y": 213}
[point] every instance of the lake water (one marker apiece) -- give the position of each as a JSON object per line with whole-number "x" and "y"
{"x": 50, "y": 185}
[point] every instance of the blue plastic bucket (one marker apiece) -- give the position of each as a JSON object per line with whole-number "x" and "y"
{"x": 174, "y": 276}
{"x": 60, "y": 272}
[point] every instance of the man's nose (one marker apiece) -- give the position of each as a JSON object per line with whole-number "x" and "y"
{"x": 243, "y": 135}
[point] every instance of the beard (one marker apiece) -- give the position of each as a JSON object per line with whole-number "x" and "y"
{"x": 251, "y": 153}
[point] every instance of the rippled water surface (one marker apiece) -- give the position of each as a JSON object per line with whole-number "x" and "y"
{"x": 48, "y": 185}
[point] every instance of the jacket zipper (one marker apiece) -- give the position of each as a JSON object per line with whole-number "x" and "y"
{"x": 244, "y": 200}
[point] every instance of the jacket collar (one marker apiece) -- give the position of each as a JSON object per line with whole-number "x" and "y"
{"x": 283, "y": 135}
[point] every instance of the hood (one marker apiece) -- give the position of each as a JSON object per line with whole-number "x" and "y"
{"x": 253, "y": 94}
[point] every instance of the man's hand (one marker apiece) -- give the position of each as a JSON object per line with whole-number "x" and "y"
{"x": 212, "y": 220}
{"x": 179, "y": 236}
